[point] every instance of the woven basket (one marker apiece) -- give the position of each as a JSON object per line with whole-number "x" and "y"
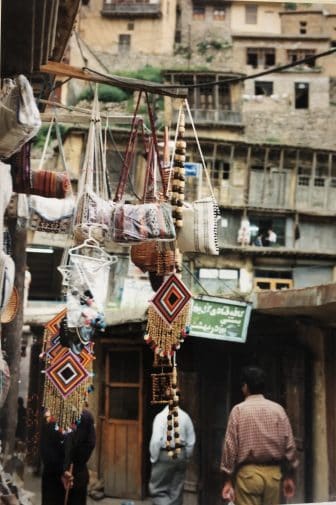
{"x": 153, "y": 257}
{"x": 9, "y": 312}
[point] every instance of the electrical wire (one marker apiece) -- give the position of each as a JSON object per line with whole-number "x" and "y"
{"x": 117, "y": 80}
{"x": 234, "y": 291}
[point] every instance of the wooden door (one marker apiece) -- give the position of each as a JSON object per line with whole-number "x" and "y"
{"x": 121, "y": 424}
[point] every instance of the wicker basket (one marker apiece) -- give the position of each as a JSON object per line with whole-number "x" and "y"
{"x": 153, "y": 257}
{"x": 9, "y": 311}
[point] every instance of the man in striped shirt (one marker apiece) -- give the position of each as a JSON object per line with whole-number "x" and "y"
{"x": 259, "y": 449}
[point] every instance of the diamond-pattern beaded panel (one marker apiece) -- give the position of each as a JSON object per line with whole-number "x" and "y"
{"x": 55, "y": 352}
{"x": 53, "y": 325}
{"x": 67, "y": 373}
{"x": 170, "y": 299}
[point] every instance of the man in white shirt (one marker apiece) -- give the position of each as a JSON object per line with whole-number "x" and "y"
{"x": 168, "y": 473}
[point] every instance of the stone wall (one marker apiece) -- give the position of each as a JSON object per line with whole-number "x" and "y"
{"x": 315, "y": 22}
{"x": 316, "y": 128}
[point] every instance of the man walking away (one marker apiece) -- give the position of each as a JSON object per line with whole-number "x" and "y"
{"x": 259, "y": 449}
{"x": 168, "y": 473}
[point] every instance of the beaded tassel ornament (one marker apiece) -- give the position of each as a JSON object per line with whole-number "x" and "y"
{"x": 168, "y": 316}
{"x": 68, "y": 376}
{"x": 169, "y": 310}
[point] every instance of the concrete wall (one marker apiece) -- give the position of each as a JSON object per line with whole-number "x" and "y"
{"x": 311, "y": 275}
{"x": 281, "y": 46}
{"x": 149, "y": 36}
{"x": 315, "y": 128}
{"x": 315, "y": 22}
{"x": 268, "y": 19}
{"x": 283, "y": 98}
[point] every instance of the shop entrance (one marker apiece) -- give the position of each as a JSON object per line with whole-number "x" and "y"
{"x": 120, "y": 455}
{"x": 287, "y": 368}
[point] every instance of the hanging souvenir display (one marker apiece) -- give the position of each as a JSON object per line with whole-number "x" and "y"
{"x": 162, "y": 379}
{"x": 4, "y": 379}
{"x": 7, "y": 274}
{"x": 19, "y": 116}
{"x": 86, "y": 277}
{"x": 68, "y": 375}
{"x": 178, "y": 184}
{"x": 93, "y": 209}
{"x": 168, "y": 317}
{"x": 173, "y": 443}
{"x": 200, "y": 218}
{"x": 41, "y": 182}
{"x": 51, "y": 215}
{"x": 151, "y": 218}
{"x": 199, "y": 232}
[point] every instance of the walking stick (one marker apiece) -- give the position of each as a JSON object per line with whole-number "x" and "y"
{"x": 68, "y": 486}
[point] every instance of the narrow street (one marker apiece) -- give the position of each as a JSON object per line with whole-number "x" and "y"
{"x": 33, "y": 484}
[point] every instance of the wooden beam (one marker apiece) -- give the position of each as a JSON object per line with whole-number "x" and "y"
{"x": 62, "y": 69}
{"x": 67, "y": 12}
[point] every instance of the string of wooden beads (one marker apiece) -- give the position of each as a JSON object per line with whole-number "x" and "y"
{"x": 173, "y": 431}
{"x": 178, "y": 185}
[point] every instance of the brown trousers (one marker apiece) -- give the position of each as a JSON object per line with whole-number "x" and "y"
{"x": 258, "y": 485}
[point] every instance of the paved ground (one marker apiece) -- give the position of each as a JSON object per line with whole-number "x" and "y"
{"x": 33, "y": 484}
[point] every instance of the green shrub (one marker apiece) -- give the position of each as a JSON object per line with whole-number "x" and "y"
{"x": 106, "y": 93}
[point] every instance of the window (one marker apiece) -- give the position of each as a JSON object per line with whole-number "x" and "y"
{"x": 263, "y": 88}
{"x": 260, "y": 57}
{"x": 251, "y": 14}
{"x": 272, "y": 279}
{"x": 218, "y": 280}
{"x": 124, "y": 43}
{"x": 206, "y": 95}
{"x": 303, "y": 180}
{"x": 198, "y": 13}
{"x": 301, "y": 95}
{"x": 319, "y": 182}
{"x": 260, "y": 226}
{"x": 130, "y": 26}
{"x": 294, "y": 55}
{"x": 273, "y": 284}
{"x": 221, "y": 170}
{"x": 252, "y": 57}
{"x": 218, "y": 14}
{"x": 303, "y": 27}
{"x": 269, "y": 57}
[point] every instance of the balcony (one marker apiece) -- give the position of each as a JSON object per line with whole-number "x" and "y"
{"x": 129, "y": 8}
{"x": 217, "y": 117}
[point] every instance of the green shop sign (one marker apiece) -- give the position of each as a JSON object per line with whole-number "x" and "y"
{"x": 220, "y": 319}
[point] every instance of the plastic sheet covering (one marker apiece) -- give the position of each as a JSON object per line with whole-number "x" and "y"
{"x": 19, "y": 116}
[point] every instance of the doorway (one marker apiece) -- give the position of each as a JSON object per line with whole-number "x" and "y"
{"x": 120, "y": 455}
{"x": 287, "y": 366}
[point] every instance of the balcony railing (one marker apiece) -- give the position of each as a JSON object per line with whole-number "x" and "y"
{"x": 134, "y": 9}
{"x": 208, "y": 116}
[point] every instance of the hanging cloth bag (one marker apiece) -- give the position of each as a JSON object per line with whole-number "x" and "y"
{"x": 52, "y": 214}
{"x": 93, "y": 210}
{"x": 151, "y": 219}
{"x": 41, "y": 182}
{"x": 200, "y": 218}
{"x": 19, "y": 116}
